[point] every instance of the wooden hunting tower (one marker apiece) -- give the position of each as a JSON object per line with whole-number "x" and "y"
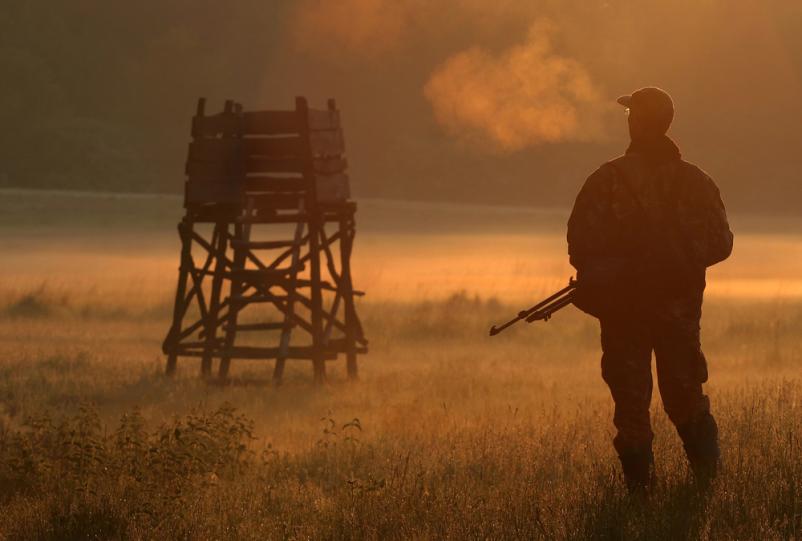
{"x": 260, "y": 275}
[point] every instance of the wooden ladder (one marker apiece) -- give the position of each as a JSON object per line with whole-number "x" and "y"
{"x": 243, "y": 279}
{"x": 292, "y": 283}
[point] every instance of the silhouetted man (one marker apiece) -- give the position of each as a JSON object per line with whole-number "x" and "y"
{"x": 644, "y": 228}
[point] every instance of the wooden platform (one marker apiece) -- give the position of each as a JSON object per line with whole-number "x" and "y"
{"x": 250, "y": 288}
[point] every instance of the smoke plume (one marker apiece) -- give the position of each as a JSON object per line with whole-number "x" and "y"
{"x": 505, "y": 101}
{"x": 525, "y": 96}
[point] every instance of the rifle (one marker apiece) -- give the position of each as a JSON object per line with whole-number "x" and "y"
{"x": 543, "y": 310}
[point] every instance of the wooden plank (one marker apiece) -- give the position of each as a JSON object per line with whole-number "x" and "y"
{"x": 333, "y": 310}
{"x": 237, "y": 289}
{"x": 221, "y": 212}
{"x": 259, "y": 164}
{"x": 275, "y": 201}
{"x": 197, "y": 279}
{"x": 292, "y": 352}
{"x": 214, "y": 150}
{"x": 251, "y": 327}
{"x": 332, "y": 189}
{"x": 263, "y": 245}
{"x": 347, "y": 231}
{"x": 277, "y": 147}
{"x": 275, "y": 219}
{"x": 335, "y": 211}
{"x": 211, "y": 321}
{"x": 270, "y": 123}
{"x": 227, "y": 149}
{"x": 197, "y": 192}
{"x": 330, "y": 265}
{"x": 283, "y": 282}
{"x": 323, "y": 165}
{"x": 276, "y": 184}
{"x": 329, "y": 188}
{"x": 262, "y": 274}
{"x": 229, "y": 162}
{"x": 254, "y": 299}
{"x": 179, "y": 307}
{"x": 225, "y": 213}
{"x": 327, "y": 142}
{"x": 291, "y": 289}
{"x": 327, "y": 241}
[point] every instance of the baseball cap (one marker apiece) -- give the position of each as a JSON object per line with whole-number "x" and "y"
{"x": 651, "y": 101}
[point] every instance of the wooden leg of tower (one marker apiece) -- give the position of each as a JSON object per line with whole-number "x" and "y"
{"x": 171, "y": 343}
{"x": 318, "y": 361}
{"x": 221, "y": 234}
{"x": 289, "y": 322}
{"x": 346, "y": 244}
{"x": 242, "y": 233}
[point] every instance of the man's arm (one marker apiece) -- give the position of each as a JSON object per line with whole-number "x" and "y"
{"x": 706, "y": 222}
{"x": 594, "y": 240}
{"x": 589, "y": 220}
{"x": 590, "y": 235}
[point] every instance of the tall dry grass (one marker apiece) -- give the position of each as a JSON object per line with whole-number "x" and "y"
{"x": 448, "y": 434}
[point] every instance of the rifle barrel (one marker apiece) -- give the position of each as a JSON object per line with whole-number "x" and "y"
{"x": 547, "y": 305}
{"x": 546, "y": 312}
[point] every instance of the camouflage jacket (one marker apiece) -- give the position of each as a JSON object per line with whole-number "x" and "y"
{"x": 648, "y": 220}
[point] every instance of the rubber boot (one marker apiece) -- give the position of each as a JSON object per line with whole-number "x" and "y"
{"x": 700, "y": 439}
{"x": 638, "y": 466}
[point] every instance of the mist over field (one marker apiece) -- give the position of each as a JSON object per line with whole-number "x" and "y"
{"x": 406, "y": 252}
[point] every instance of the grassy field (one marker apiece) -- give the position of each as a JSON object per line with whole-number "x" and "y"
{"x": 448, "y": 434}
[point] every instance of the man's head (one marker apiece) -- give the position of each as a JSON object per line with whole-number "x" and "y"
{"x": 651, "y": 111}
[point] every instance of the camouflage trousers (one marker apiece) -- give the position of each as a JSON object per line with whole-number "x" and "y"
{"x": 671, "y": 330}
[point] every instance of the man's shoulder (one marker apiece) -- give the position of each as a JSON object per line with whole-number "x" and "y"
{"x": 620, "y": 160}
{"x": 633, "y": 161}
{"x": 626, "y": 164}
{"x": 605, "y": 171}
{"x": 604, "y": 177}
{"x": 693, "y": 171}
{"x": 696, "y": 181}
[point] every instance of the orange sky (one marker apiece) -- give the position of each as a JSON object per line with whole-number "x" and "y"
{"x": 511, "y": 101}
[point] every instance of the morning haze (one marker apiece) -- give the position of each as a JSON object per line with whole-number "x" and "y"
{"x": 502, "y": 102}
{"x": 281, "y": 318}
